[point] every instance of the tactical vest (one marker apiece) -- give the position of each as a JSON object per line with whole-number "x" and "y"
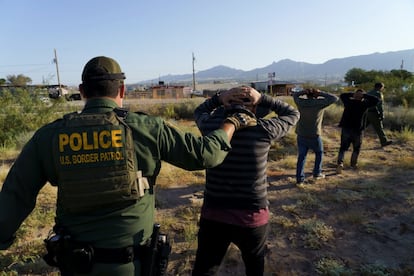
{"x": 96, "y": 162}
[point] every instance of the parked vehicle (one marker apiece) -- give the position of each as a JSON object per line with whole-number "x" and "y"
{"x": 197, "y": 93}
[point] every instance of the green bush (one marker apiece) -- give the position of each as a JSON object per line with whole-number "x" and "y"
{"x": 23, "y": 112}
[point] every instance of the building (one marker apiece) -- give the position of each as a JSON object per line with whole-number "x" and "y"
{"x": 162, "y": 91}
{"x": 274, "y": 88}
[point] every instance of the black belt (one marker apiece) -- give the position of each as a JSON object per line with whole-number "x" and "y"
{"x": 117, "y": 255}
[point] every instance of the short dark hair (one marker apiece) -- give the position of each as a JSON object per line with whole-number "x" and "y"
{"x": 102, "y": 88}
{"x": 379, "y": 85}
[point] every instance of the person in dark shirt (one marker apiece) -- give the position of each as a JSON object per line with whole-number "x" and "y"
{"x": 352, "y": 124}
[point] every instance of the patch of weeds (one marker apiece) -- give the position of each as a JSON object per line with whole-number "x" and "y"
{"x": 169, "y": 111}
{"x": 288, "y": 162}
{"x": 185, "y": 110}
{"x": 352, "y": 217}
{"x": 347, "y": 196}
{"x": 279, "y": 225}
{"x": 292, "y": 208}
{"x": 332, "y": 267}
{"x": 374, "y": 270}
{"x": 8, "y": 151}
{"x": 308, "y": 202}
{"x": 190, "y": 232}
{"x": 405, "y": 162}
{"x": 405, "y": 135}
{"x": 184, "y": 265}
{"x": 410, "y": 200}
{"x": 404, "y": 271}
{"x": 377, "y": 192}
{"x": 8, "y": 273}
{"x": 174, "y": 176}
{"x": 22, "y": 255}
{"x": 188, "y": 213}
{"x": 169, "y": 223}
{"x": 283, "y": 222}
{"x": 283, "y": 148}
{"x": 4, "y": 170}
{"x": 373, "y": 190}
{"x": 317, "y": 233}
{"x": 370, "y": 228}
{"x": 188, "y": 216}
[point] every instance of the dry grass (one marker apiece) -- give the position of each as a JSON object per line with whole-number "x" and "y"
{"x": 342, "y": 225}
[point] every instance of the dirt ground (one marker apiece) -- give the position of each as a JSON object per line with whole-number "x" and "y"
{"x": 365, "y": 216}
{"x": 370, "y": 212}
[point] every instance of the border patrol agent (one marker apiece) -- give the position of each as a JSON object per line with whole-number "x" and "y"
{"x": 375, "y": 115}
{"x": 104, "y": 161}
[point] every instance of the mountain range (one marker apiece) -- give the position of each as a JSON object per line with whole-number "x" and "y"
{"x": 289, "y": 70}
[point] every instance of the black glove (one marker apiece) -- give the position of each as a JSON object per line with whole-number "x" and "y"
{"x": 240, "y": 117}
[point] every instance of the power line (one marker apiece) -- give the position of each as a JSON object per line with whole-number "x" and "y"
{"x": 17, "y": 65}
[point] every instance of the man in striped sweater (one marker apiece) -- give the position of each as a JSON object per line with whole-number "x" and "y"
{"x": 235, "y": 208}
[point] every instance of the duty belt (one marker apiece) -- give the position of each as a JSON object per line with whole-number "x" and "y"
{"x": 117, "y": 255}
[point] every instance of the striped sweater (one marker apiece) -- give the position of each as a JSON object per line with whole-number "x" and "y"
{"x": 240, "y": 182}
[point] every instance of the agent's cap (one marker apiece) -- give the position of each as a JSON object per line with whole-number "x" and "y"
{"x": 102, "y": 68}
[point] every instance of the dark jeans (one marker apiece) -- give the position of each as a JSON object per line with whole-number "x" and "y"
{"x": 350, "y": 136}
{"x": 304, "y": 145}
{"x": 215, "y": 237}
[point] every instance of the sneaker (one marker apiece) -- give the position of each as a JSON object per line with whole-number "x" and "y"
{"x": 319, "y": 176}
{"x": 300, "y": 184}
{"x": 386, "y": 144}
{"x": 339, "y": 168}
{"x": 354, "y": 167}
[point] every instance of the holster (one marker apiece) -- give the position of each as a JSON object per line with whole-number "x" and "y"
{"x": 79, "y": 257}
{"x": 68, "y": 255}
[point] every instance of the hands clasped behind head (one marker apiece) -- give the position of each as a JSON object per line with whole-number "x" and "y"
{"x": 237, "y": 95}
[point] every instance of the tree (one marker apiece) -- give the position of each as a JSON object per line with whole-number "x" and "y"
{"x": 399, "y": 83}
{"x": 19, "y": 80}
{"x": 2, "y": 81}
{"x": 403, "y": 74}
{"x": 357, "y": 76}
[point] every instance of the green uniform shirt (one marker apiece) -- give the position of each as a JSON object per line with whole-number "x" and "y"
{"x": 154, "y": 140}
{"x": 379, "y": 109}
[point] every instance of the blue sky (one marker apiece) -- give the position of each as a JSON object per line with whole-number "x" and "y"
{"x": 152, "y": 38}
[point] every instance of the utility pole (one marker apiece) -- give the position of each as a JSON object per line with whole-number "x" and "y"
{"x": 57, "y": 71}
{"x": 194, "y": 86}
{"x": 271, "y": 76}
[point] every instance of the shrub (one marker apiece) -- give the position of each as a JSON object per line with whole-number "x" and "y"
{"x": 23, "y": 111}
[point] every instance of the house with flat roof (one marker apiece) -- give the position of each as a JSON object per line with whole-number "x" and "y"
{"x": 274, "y": 88}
